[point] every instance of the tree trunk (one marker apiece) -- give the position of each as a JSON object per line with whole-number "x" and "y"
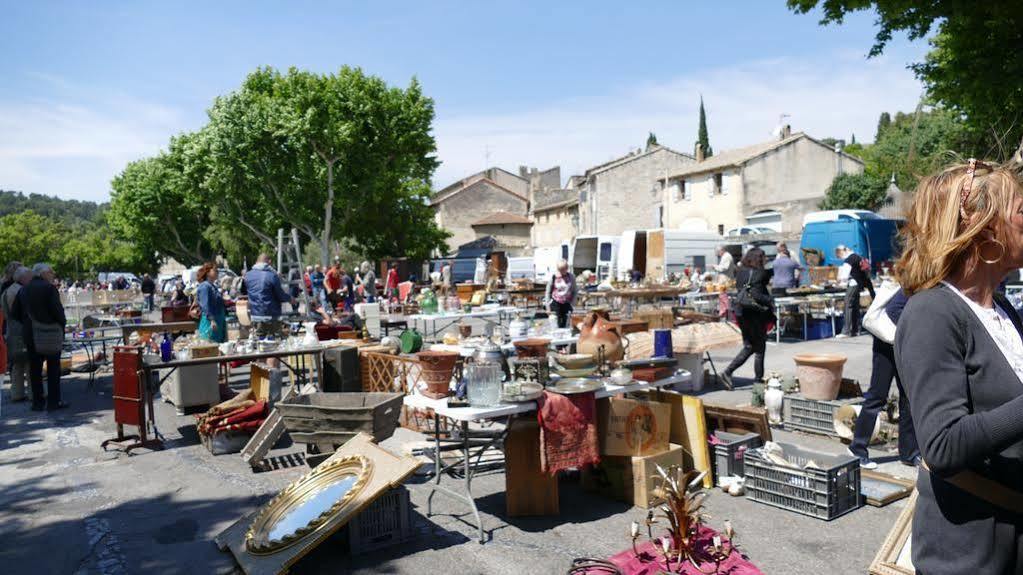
{"x": 328, "y": 212}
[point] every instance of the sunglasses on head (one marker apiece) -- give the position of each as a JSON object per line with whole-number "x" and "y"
{"x": 971, "y": 171}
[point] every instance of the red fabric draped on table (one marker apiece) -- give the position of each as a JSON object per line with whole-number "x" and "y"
{"x": 568, "y": 431}
{"x": 650, "y": 560}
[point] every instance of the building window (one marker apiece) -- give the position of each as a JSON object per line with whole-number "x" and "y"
{"x": 721, "y": 229}
{"x": 723, "y": 184}
{"x": 660, "y": 216}
{"x": 687, "y": 190}
{"x": 718, "y": 181}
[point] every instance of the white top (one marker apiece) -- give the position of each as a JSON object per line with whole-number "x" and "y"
{"x": 997, "y": 323}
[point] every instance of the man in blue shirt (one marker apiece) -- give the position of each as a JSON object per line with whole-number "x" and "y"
{"x": 786, "y": 270}
{"x": 266, "y": 294}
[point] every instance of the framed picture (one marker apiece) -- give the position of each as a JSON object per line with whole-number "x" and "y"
{"x": 896, "y": 554}
{"x": 880, "y": 489}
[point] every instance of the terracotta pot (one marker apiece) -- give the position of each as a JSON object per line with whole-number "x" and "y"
{"x": 598, "y": 332}
{"x": 820, "y": 374}
{"x": 437, "y": 367}
{"x": 532, "y": 347}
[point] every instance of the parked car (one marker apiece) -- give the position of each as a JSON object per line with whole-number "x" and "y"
{"x": 749, "y": 231}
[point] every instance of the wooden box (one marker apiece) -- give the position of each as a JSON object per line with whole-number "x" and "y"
{"x": 656, "y": 318}
{"x": 528, "y": 490}
{"x": 333, "y": 418}
{"x": 633, "y": 427}
{"x": 631, "y": 479}
{"x": 200, "y": 350}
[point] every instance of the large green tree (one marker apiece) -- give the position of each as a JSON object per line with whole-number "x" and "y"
{"x": 339, "y": 155}
{"x": 157, "y": 206}
{"x": 854, "y": 192}
{"x": 974, "y": 67}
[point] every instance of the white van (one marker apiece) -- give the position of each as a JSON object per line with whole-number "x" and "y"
{"x": 520, "y": 268}
{"x": 659, "y": 253}
{"x": 599, "y": 254}
{"x": 545, "y": 261}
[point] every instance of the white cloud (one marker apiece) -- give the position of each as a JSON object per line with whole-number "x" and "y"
{"x": 834, "y": 97}
{"x": 73, "y": 144}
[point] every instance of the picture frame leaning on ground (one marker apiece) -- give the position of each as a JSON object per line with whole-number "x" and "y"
{"x": 895, "y": 557}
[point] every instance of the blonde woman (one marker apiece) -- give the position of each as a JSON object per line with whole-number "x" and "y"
{"x": 959, "y": 350}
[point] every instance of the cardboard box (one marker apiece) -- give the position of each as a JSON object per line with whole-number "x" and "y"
{"x": 658, "y": 318}
{"x": 633, "y": 427}
{"x": 630, "y": 479}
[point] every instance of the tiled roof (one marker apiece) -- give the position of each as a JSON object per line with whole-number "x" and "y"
{"x": 548, "y": 199}
{"x": 502, "y": 217}
{"x": 739, "y": 156}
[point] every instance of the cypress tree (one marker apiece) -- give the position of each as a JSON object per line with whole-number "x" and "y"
{"x": 701, "y": 136}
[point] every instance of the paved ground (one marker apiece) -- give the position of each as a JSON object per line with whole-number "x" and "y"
{"x": 68, "y": 507}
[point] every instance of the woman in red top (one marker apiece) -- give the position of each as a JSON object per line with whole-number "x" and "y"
{"x": 392, "y": 282}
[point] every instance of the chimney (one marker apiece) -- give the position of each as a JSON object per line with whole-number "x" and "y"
{"x": 524, "y": 172}
{"x": 699, "y": 152}
{"x": 786, "y": 131}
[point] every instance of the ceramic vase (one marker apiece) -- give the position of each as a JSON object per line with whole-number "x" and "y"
{"x": 774, "y": 397}
{"x": 437, "y": 367}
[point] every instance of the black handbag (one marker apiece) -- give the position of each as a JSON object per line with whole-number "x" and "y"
{"x": 744, "y": 299}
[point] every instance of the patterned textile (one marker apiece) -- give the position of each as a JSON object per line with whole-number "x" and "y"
{"x": 568, "y": 431}
{"x": 650, "y": 560}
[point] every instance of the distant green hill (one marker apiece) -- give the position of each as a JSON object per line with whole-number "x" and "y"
{"x": 71, "y": 212}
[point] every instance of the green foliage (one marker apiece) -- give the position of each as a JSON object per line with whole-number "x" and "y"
{"x": 915, "y": 145}
{"x": 651, "y": 140}
{"x": 70, "y": 212}
{"x": 882, "y": 124}
{"x": 29, "y": 237}
{"x": 702, "y": 139}
{"x": 854, "y": 192}
{"x": 973, "y": 69}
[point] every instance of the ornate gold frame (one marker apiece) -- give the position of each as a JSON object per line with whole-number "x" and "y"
{"x": 257, "y": 537}
{"x": 886, "y": 560}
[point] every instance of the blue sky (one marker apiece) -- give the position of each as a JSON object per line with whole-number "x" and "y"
{"x": 89, "y": 86}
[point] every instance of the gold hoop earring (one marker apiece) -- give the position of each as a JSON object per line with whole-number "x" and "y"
{"x": 1001, "y": 254}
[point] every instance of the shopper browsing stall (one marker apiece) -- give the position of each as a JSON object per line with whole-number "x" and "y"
{"x": 17, "y": 352}
{"x": 959, "y": 351}
{"x": 369, "y": 283}
{"x": 41, "y": 315}
{"x": 754, "y": 311}
{"x": 561, "y": 292}
{"x": 266, "y": 294}
{"x": 786, "y": 270}
{"x": 855, "y": 272}
{"x": 210, "y": 301}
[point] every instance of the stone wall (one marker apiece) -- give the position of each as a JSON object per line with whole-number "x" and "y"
{"x": 793, "y": 179}
{"x": 551, "y": 227}
{"x": 513, "y": 239}
{"x": 628, "y": 194}
{"x": 457, "y": 213}
{"x": 700, "y": 205}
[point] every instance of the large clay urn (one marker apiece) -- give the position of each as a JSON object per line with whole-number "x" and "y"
{"x": 596, "y": 332}
{"x": 820, "y": 374}
{"x": 437, "y": 367}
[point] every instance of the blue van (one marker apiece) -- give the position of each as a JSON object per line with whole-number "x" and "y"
{"x": 871, "y": 237}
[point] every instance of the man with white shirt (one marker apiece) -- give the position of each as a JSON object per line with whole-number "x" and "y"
{"x": 726, "y": 264}
{"x": 854, "y": 272}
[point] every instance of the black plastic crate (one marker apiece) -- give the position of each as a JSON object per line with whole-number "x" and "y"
{"x": 728, "y": 455}
{"x": 813, "y": 415}
{"x": 385, "y": 522}
{"x": 829, "y": 490}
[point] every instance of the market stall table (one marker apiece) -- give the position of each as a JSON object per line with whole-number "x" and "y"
{"x": 440, "y": 322}
{"x": 802, "y": 304}
{"x": 464, "y": 415}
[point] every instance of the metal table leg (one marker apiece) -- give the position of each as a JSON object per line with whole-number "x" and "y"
{"x": 466, "y": 463}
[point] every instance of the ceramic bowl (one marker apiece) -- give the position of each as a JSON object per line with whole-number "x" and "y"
{"x": 573, "y": 360}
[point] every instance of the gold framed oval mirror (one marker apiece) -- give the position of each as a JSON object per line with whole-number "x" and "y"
{"x": 303, "y": 507}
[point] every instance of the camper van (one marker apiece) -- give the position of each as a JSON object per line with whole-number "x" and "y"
{"x": 595, "y": 253}
{"x": 659, "y": 253}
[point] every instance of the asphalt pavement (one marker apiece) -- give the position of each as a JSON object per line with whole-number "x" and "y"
{"x": 66, "y": 506}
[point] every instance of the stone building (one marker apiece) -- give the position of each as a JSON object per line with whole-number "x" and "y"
{"x": 772, "y": 184}
{"x": 626, "y": 193}
{"x": 555, "y": 217}
{"x": 511, "y": 231}
{"x": 464, "y": 203}
{"x": 896, "y": 203}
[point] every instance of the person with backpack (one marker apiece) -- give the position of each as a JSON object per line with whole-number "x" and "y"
{"x": 754, "y": 311}
{"x": 855, "y": 271}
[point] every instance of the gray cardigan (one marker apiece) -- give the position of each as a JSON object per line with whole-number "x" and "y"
{"x": 967, "y": 406}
